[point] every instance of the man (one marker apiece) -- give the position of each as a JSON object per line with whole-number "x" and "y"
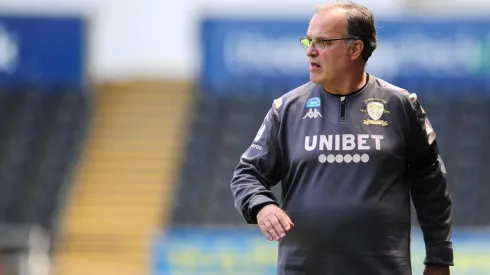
{"x": 350, "y": 150}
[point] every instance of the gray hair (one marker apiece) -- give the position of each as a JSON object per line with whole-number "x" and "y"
{"x": 360, "y": 23}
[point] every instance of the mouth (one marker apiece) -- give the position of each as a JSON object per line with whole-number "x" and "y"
{"x": 314, "y": 65}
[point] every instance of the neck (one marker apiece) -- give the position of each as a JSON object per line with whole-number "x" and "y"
{"x": 347, "y": 84}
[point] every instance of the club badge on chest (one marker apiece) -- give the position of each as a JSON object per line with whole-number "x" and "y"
{"x": 375, "y": 108}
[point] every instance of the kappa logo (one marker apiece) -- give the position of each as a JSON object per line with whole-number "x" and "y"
{"x": 375, "y": 108}
{"x": 259, "y": 133}
{"x": 312, "y": 113}
{"x": 257, "y": 138}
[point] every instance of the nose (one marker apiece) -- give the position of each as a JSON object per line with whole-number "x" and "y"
{"x": 311, "y": 51}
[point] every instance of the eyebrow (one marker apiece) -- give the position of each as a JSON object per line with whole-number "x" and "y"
{"x": 319, "y": 37}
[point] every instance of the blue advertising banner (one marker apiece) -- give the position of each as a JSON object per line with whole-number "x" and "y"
{"x": 255, "y": 55}
{"x": 41, "y": 50}
{"x": 246, "y": 251}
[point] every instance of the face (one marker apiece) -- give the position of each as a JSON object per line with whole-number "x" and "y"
{"x": 326, "y": 65}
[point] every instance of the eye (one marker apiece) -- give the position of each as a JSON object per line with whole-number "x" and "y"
{"x": 327, "y": 43}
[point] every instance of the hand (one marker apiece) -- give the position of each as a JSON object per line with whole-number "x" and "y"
{"x": 436, "y": 270}
{"x": 274, "y": 222}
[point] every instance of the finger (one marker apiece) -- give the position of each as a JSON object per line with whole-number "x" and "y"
{"x": 281, "y": 232}
{"x": 264, "y": 230}
{"x": 270, "y": 228}
{"x": 285, "y": 221}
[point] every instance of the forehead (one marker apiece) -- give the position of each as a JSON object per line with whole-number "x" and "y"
{"x": 328, "y": 23}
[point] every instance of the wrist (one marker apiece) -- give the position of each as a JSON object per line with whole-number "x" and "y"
{"x": 439, "y": 254}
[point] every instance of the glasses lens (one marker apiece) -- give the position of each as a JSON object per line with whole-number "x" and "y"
{"x": 305, "y": 42}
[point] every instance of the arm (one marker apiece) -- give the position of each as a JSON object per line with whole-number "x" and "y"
{"x": 428, "y": 188}
{"x": 258, "y": 170}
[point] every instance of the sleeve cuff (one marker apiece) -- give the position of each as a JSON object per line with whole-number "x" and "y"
{"x": 258, "y": 203}
{"x": 439, "y": 254}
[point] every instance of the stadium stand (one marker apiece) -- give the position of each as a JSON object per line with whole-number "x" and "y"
{"x": 42, "y": 134}
{"x": 124, "y": 183}
{"x": 41, "y": 138}
{"x": 200, "y": 143}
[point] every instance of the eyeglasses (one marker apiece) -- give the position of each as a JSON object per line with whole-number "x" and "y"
{"x": 321, "y": 43}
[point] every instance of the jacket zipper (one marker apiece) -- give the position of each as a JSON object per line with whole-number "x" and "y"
{"x": 343, "y": 102}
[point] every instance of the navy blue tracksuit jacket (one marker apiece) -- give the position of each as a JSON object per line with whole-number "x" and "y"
{"x": 348, "y": 167}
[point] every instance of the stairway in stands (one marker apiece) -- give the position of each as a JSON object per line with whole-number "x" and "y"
{"x": 124, "y": 183}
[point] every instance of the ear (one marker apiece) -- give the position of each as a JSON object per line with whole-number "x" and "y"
{"x": 356, "y": 49}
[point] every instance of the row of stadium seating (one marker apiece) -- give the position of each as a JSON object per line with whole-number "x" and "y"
{"x": 41, "y": 134}
{"x": 224, "y": 127}
{"x": 122, "y": 188}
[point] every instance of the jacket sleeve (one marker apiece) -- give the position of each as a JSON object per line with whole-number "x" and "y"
{"x": 259, "y": 169}
{"x": 428, "y": 187}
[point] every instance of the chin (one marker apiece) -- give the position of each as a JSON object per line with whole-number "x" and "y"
{"x": 315, "y": 78}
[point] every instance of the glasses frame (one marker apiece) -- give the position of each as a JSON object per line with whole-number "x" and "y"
{"x": 325, "y": 40}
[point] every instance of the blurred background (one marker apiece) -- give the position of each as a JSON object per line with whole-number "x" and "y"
{"x": 122, "y": 121}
